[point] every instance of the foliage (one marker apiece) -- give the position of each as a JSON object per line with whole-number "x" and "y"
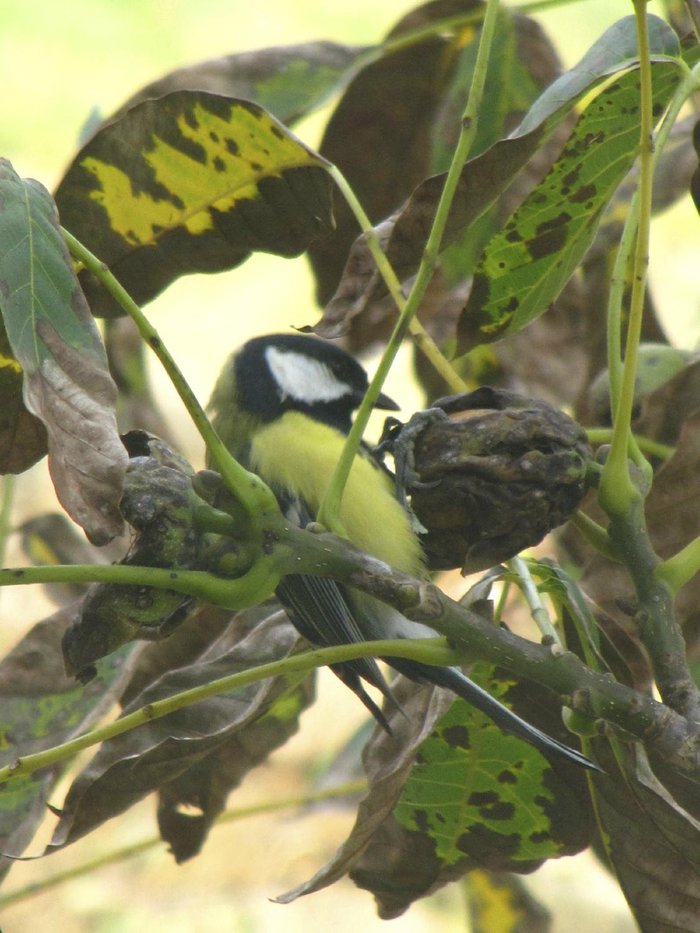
{"x": 463, "y": 177}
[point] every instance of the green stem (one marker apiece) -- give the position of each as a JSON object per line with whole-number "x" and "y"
{"x": 251, "y": 492}
{"x": 330, "y": 507}
{"x": 688, "y": 86}
{"x": 595, "y": 534}
{"x": 131, "y": 851}
{"x": 426, "y": 650}
{"x": 8, "y": 494}
{"x": 244, "y": 591}
{"x": 617, "y": 491}
{"x": 653, "y": 448}
{"x": 528, "y": 588}
{"x": 422, "y": 338}
{"x": 681, "y": 568}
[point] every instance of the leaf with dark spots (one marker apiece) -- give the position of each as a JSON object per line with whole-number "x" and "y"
{"x": 549, "y": 237}
{"x": 180, "y": 752}
{"x": 42, "y": 707}
{"x": 147, "y": 194}
{"x": 436, "y": 809}
{"x": 673, "y": 176}
{"x": 516, "y": 281}
{"x": 459, "y": 783}
{"x": 66, "y": 381}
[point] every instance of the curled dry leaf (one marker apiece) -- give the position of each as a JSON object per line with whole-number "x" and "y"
{"x": 171, "y": 752}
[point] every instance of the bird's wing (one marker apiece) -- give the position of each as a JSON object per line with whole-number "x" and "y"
{"x": 318, "y": 609}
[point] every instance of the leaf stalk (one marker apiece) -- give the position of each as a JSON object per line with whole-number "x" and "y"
{"x": 330, "y": 507}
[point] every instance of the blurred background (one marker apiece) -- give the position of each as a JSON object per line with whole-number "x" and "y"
{"x": 59, "y": 65}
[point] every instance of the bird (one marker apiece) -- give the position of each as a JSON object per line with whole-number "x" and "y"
{"x": 283, "y": 406}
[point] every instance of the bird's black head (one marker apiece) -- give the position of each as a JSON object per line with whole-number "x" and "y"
{"x": 292, "y": 372}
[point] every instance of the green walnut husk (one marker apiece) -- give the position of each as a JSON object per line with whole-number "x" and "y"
{"x": 491, "y": 475}
{"x": 159, "y": 503}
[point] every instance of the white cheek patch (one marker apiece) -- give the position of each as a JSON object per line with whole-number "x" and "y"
{"x": 303, "y": 378}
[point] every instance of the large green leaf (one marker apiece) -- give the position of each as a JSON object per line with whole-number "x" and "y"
{"x": 54, "y": 337}
{"x": 480, "y": 794}
{"x": 448, "y": 791}
{"x": 527, "y": 263}
{"x": 191, "y": 182}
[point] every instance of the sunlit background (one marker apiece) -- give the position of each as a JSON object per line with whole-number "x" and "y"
{"x": 60, "y": 63}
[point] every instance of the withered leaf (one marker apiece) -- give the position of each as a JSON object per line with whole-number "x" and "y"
{"x": 387, "y": 110}
{"x": 22, "y": 435}
{"x": 654, "y": 845}
{"x": 53, "y": 336}
{"x": 288, "y": 80}
{"x": 42, "y": 707}
{"x": 160, "y": 752}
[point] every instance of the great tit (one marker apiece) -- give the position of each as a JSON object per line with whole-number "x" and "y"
{"x": 283, "y": 406}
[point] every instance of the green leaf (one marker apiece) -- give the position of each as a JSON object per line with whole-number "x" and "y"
{"x": 54, "y": 337}
{"x": 480, "y": 794}
{"x": 448, "y": 792}
{"x": 526, "y": 264}
{"x": 191, "y": 182}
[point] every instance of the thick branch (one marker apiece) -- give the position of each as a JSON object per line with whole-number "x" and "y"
{"x": 669, "y": 734}
{"x": 655, "y": 617}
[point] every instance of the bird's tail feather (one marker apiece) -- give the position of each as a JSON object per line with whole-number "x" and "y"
{"x": 480, "y": 699}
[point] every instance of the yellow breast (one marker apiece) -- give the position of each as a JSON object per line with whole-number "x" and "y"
{"x": 299, "y": 454}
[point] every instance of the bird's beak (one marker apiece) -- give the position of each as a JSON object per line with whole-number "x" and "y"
{"x": 385, "y": 403}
